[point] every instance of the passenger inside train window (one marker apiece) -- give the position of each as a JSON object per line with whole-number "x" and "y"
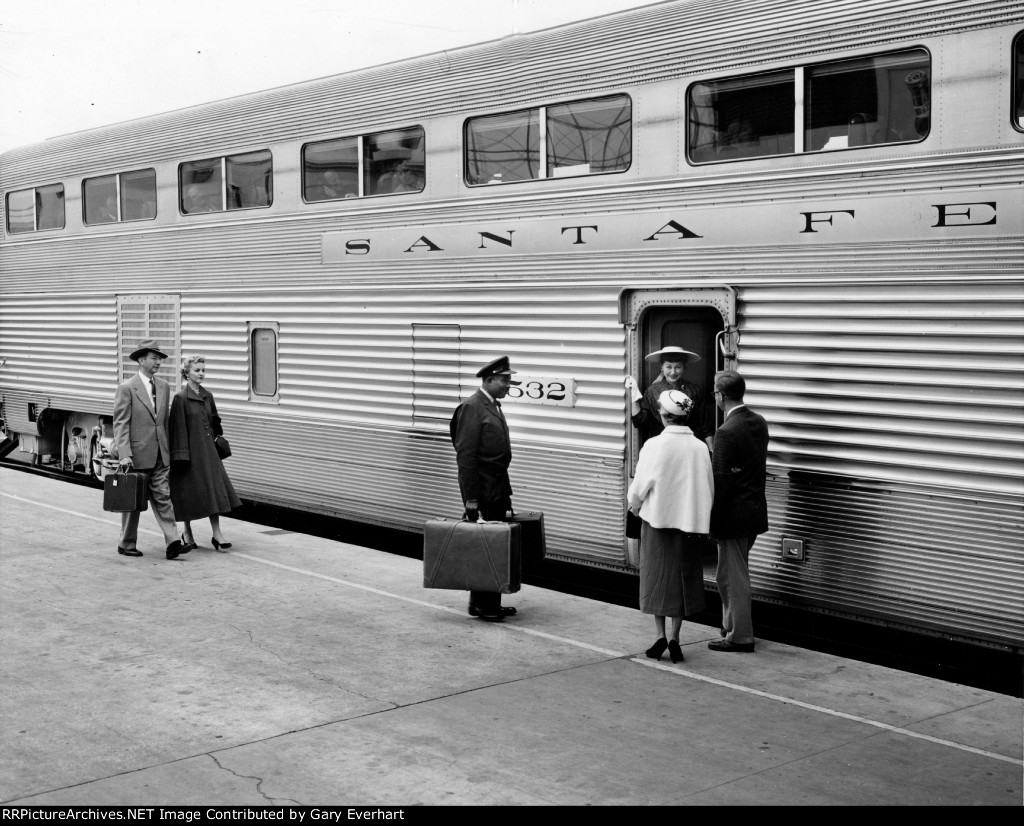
{"x": 196, "y": 198}
{"x": 405, "y": 176}
{"x": 738, "y": 141}
{"x": 334, "y": 186}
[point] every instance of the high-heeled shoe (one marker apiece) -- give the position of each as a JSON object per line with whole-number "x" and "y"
{"x": 675, "y": 653}
{"x": 187, "y": 544}
{"x": 218, "y": 545}
{"x": 656, "y": 650}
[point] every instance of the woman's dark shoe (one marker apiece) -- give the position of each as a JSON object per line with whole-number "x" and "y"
{"x": 188, "y": 544}
{"x": 218, "y": 545}
{"x": 675, "y": 653}
{"x": 656, "y": 650}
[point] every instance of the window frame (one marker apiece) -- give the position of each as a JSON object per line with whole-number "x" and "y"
{"x": 35, "y": 209}
{"x": 541, "y": 110}
{"x": 221, "y": 163}
{"x": 362, "y": 163}
{"x": 802, "y": 74}
{"x": 1017, "y": 81}
{"x": 118, "y": 191}
{"x": 251, "y": 328}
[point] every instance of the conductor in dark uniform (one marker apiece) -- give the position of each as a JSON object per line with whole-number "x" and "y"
{"x": 483, "y": 452}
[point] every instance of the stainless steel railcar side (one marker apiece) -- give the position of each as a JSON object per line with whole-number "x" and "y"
{"x": 873, "y": 299}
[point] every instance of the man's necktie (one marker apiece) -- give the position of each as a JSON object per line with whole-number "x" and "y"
{"x": 152, "y": 393}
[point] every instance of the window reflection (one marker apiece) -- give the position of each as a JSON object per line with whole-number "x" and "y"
{"x": 861, "y": 102}
{"x": 741, "y": 117}
{"x": 869, "y": 101}
{"x": 589, "y": 137}
{"x": 581, "y": 138}
{"x": 503, "y": 148}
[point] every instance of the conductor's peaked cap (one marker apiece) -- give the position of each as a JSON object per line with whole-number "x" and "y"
{"x": 498, "y": 367}
{"x": 147, "y": 346}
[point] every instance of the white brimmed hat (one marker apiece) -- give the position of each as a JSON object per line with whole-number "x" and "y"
{"x": 672, "y": 353}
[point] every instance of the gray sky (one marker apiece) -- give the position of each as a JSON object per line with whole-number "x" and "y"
{"x": 67, "y": 65}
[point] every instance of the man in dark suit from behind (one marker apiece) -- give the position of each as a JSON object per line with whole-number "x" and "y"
{"x": 141, "y": 408}
{"x": 740, "y": 510}
{"x": 483, "y": 452}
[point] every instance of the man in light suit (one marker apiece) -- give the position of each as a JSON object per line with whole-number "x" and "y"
{"x": 483, "y": 452}
{"x": 141, "y": 408}
{"x": 740, "y": 510}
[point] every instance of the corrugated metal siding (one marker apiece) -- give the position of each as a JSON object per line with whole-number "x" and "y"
{"x": 945, "y": 560}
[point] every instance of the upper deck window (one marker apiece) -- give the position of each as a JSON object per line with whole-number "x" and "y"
{"x": 30, "y": 210}
{"x": 1018, "y": 81}
{"x": 861, "y": 102}
{"x": 230, "y": 182}
{"x": 385, "y": 163}
{"x": 126, "y": 196}
{"x": 581, "y": 138}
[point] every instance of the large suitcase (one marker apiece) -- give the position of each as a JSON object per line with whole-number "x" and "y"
{"x": 472, "y": 556}
{"x": 125, "y": 492}
{"x": 532, "y": 541}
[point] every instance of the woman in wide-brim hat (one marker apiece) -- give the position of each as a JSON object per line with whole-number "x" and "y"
{"x": 644, "y": 411}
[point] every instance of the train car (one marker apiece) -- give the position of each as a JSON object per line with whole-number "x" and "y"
{"x": 825, "y": 196}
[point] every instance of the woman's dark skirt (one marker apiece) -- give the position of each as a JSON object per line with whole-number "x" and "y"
{"x": 671, "y": 573}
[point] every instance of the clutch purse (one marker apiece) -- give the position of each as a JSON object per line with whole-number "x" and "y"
{"x": 223, "y": 448}
{"x": 632, "y": 525}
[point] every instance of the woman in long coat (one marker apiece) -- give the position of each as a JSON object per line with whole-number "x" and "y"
{"x": 672, "y": 492}
{"x": 200, "y": 486}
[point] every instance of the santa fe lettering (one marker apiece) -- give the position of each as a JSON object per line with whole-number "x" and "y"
{"x": 948, "y": 215}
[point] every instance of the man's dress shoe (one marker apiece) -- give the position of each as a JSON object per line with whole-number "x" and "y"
{"x": 499, "y": 613}
{"x": 174, "y": 549}
{"x": 128, "y": 551}
{"x": 736, "y": 647}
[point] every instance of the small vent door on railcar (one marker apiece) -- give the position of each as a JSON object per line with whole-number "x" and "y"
{"x": 701, "y": 320}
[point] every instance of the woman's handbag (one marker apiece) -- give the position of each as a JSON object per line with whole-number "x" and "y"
{"x": 223, "y": 448}
{"x": 632, "y": 525}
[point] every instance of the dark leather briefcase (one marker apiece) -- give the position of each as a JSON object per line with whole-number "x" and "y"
{"x": 533, "y": 542}
{"x": 125, "y": 492}
{"x": 472, "y": 556}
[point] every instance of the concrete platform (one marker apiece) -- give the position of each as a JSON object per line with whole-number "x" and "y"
{"x": 294, "y": 670}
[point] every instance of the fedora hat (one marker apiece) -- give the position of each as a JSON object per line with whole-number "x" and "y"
{"x": 498, "y": 367}
{"x": 672, "y": 353}
{"x": 146, "y": 346}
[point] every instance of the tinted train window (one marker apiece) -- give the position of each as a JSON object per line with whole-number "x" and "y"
{"x": 1018, "y": 81}
{"x": 580, "y": 138}
{"x": 745, "y": 117}
{"x": 227, "y": 183}
{"x": 385, "y": 163}
{"x": 29, "y": 210}
{"x": 861, "y": 102}
{"x": 128, "y": 196}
